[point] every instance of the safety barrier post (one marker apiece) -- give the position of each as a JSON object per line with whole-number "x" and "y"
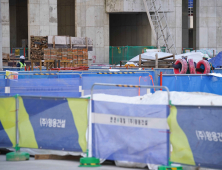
{"x": 17, "y": 155}
{"x": 89, "y": 161}
{"x": 161, "y": 79}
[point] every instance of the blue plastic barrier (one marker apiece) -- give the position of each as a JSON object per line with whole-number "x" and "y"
{"x": 130, "y": 132}
{"x": 196, "y": 135}
{"x": 193, "y": 83}
{"x": 44, "y": 123}
{"x": 164, "y": 71}
{"x": 218, "y": 70}
{"x": 56, "y": 86}
{"x": 132, "y": 79}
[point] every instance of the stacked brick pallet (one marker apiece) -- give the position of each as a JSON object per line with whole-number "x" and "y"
{"x": 76, "y": 55}
{"x": 63, "y": 48}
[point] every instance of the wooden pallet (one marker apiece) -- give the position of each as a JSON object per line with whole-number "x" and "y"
{"x": 163, "y": 62}
{"x": 55, "y": 64}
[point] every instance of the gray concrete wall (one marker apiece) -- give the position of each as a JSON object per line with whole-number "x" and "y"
{"x": 92, "y": 21}
{"x": 1, "y": 67}
{"x": 66, "y": 17}
{"x": 209, "y": 24}
{"x": 130, "y": 29}
{"x": 174, "y": 20}
{"x": 174, "y": 15}
{"x": 5, "y": 26}
{"x": 42, "y": 18}
{"x": 132, "y": 5}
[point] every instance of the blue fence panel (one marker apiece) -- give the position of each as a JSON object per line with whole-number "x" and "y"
{"x": 218, "y": 70}
{"x": 164, "y": 71}
{"x": 56, "y": 86}
{"x": 130, "y": 132}
{"x": 189, "y": 83}
{"x": 131, "y": 79}
{"x": 200, "y": 131}
{"x": 2, "y": 86}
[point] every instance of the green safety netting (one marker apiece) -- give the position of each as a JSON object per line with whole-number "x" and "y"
{"x": 120, "y": 53}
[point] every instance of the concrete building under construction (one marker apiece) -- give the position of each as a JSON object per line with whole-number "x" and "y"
{"x": 111, "y": 23}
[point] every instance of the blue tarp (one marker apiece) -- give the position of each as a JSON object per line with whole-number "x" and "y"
{"x": 189, "y": 83}
{"x": 127, "y": 132}
{"x": 217, "y": 61}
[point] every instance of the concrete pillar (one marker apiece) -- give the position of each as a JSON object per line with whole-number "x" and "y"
{"x": 1, "y": 66}
{"x": 194, "y": 23}
{"x": 207, "y": 31}
{"x": 174, "y": 20}
{"x": 219, "y": 25}
{"x": 5, "y": 26}
{"x": 42, "y": 18}
{"x": 92, "y": 21}
{"x": 185, "y": 28}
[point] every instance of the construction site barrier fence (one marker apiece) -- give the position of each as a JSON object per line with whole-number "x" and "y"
{"x": 44, "y": 123}
{"x": 117, "y": 127}
{"x": 193, "y": 83}
{"x": 130, "y": 132}
{"x": 71, "y": 84}
{"x": 48, "y": 85}
{"x": 196, "y": 135}
{"x": 136, "y": 78}
{"x": 114, "y": 127}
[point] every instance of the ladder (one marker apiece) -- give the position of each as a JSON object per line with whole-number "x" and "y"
{"x": 159, "y": 25}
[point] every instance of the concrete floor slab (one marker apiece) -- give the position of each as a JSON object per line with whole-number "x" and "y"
{"x": 33, "y": 164}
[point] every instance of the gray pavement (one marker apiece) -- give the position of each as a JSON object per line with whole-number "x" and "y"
{"x": 33, "y": 164}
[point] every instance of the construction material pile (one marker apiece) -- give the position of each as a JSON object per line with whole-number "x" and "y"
{"x": 61, "y": 48}
{"x": 150, "y": 55}
{"x": 71, "y": 68}
{"x": 78, "y": 56}
{"x": 38, "y": 44}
